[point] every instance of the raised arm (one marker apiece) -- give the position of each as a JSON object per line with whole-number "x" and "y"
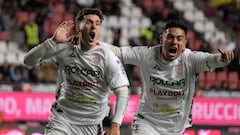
{"x": 44, "y": 53}
{"x": 203, "y": 61}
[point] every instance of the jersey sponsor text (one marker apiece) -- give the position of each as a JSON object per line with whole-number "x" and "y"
{"x": 85, "y": 83}
{"x": 84, "y": 71}
{"x": 159, "y": 81}
{"x": 167, "y": 92}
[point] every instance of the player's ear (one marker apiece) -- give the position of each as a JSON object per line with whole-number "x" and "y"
{"x": 79, "y": 27}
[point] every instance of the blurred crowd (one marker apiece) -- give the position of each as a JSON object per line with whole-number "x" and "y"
{"x": 30, "y": 22}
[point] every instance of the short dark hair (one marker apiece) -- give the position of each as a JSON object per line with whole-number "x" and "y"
{"x": 87, "y": 11}
{"x": 176, "y": 23}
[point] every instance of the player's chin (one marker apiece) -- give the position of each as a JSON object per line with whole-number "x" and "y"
{"x": 172, "y": 56}
{"x": 92, "y": 42}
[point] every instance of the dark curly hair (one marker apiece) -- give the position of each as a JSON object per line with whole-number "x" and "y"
{"x": 87, "y": 11}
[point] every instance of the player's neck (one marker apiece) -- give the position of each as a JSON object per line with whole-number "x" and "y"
{"x": 87, "y": 46}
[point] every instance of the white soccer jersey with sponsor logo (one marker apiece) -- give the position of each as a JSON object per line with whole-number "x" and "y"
{"x": 86, "y": 79}
{"x": 168, "y": 86}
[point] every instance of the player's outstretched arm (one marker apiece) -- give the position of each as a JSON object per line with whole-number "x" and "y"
{"x": 121, "y": 105}
{"x": 221, "y": 59}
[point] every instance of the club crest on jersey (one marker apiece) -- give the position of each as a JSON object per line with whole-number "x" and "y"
{"x": 96, "y": 59}
{"x": 178, "y": 68}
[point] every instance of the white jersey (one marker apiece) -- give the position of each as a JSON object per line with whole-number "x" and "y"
{"x": 86, "y": 78}
{"x": 168, "y": 86}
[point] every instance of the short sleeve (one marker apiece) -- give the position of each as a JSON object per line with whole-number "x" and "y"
{"x": 115, "y": 72}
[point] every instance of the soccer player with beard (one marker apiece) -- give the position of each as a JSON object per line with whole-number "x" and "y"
{"x": 86, "y": 74}
{"x": 169, "y": 72}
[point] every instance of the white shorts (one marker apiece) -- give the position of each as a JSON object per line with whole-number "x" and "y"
{"x": 142, "y": 126}
{"x": 57, "y": 126}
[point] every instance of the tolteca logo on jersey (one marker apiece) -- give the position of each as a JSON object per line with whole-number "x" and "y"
{"x": 80, "y": 98}
{"x": 164, "y": 109}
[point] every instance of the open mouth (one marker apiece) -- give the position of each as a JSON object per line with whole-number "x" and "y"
{"x": 173, "y": 50}
{"x": 91, "y": 36}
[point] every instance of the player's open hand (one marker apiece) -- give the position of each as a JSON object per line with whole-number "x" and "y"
{"x": 64, "y": 32}
{"x": 227, "y": 56}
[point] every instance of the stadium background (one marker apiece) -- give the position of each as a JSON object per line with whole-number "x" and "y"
{"x": 213, "y": 24}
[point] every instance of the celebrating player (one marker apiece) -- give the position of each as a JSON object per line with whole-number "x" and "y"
{"x": 169, "y": 74}
{"x": 87, "y": 71}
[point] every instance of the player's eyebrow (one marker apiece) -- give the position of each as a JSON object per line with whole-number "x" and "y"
{"x": 178, "y": 36}
{"x": 92, "y": 21}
